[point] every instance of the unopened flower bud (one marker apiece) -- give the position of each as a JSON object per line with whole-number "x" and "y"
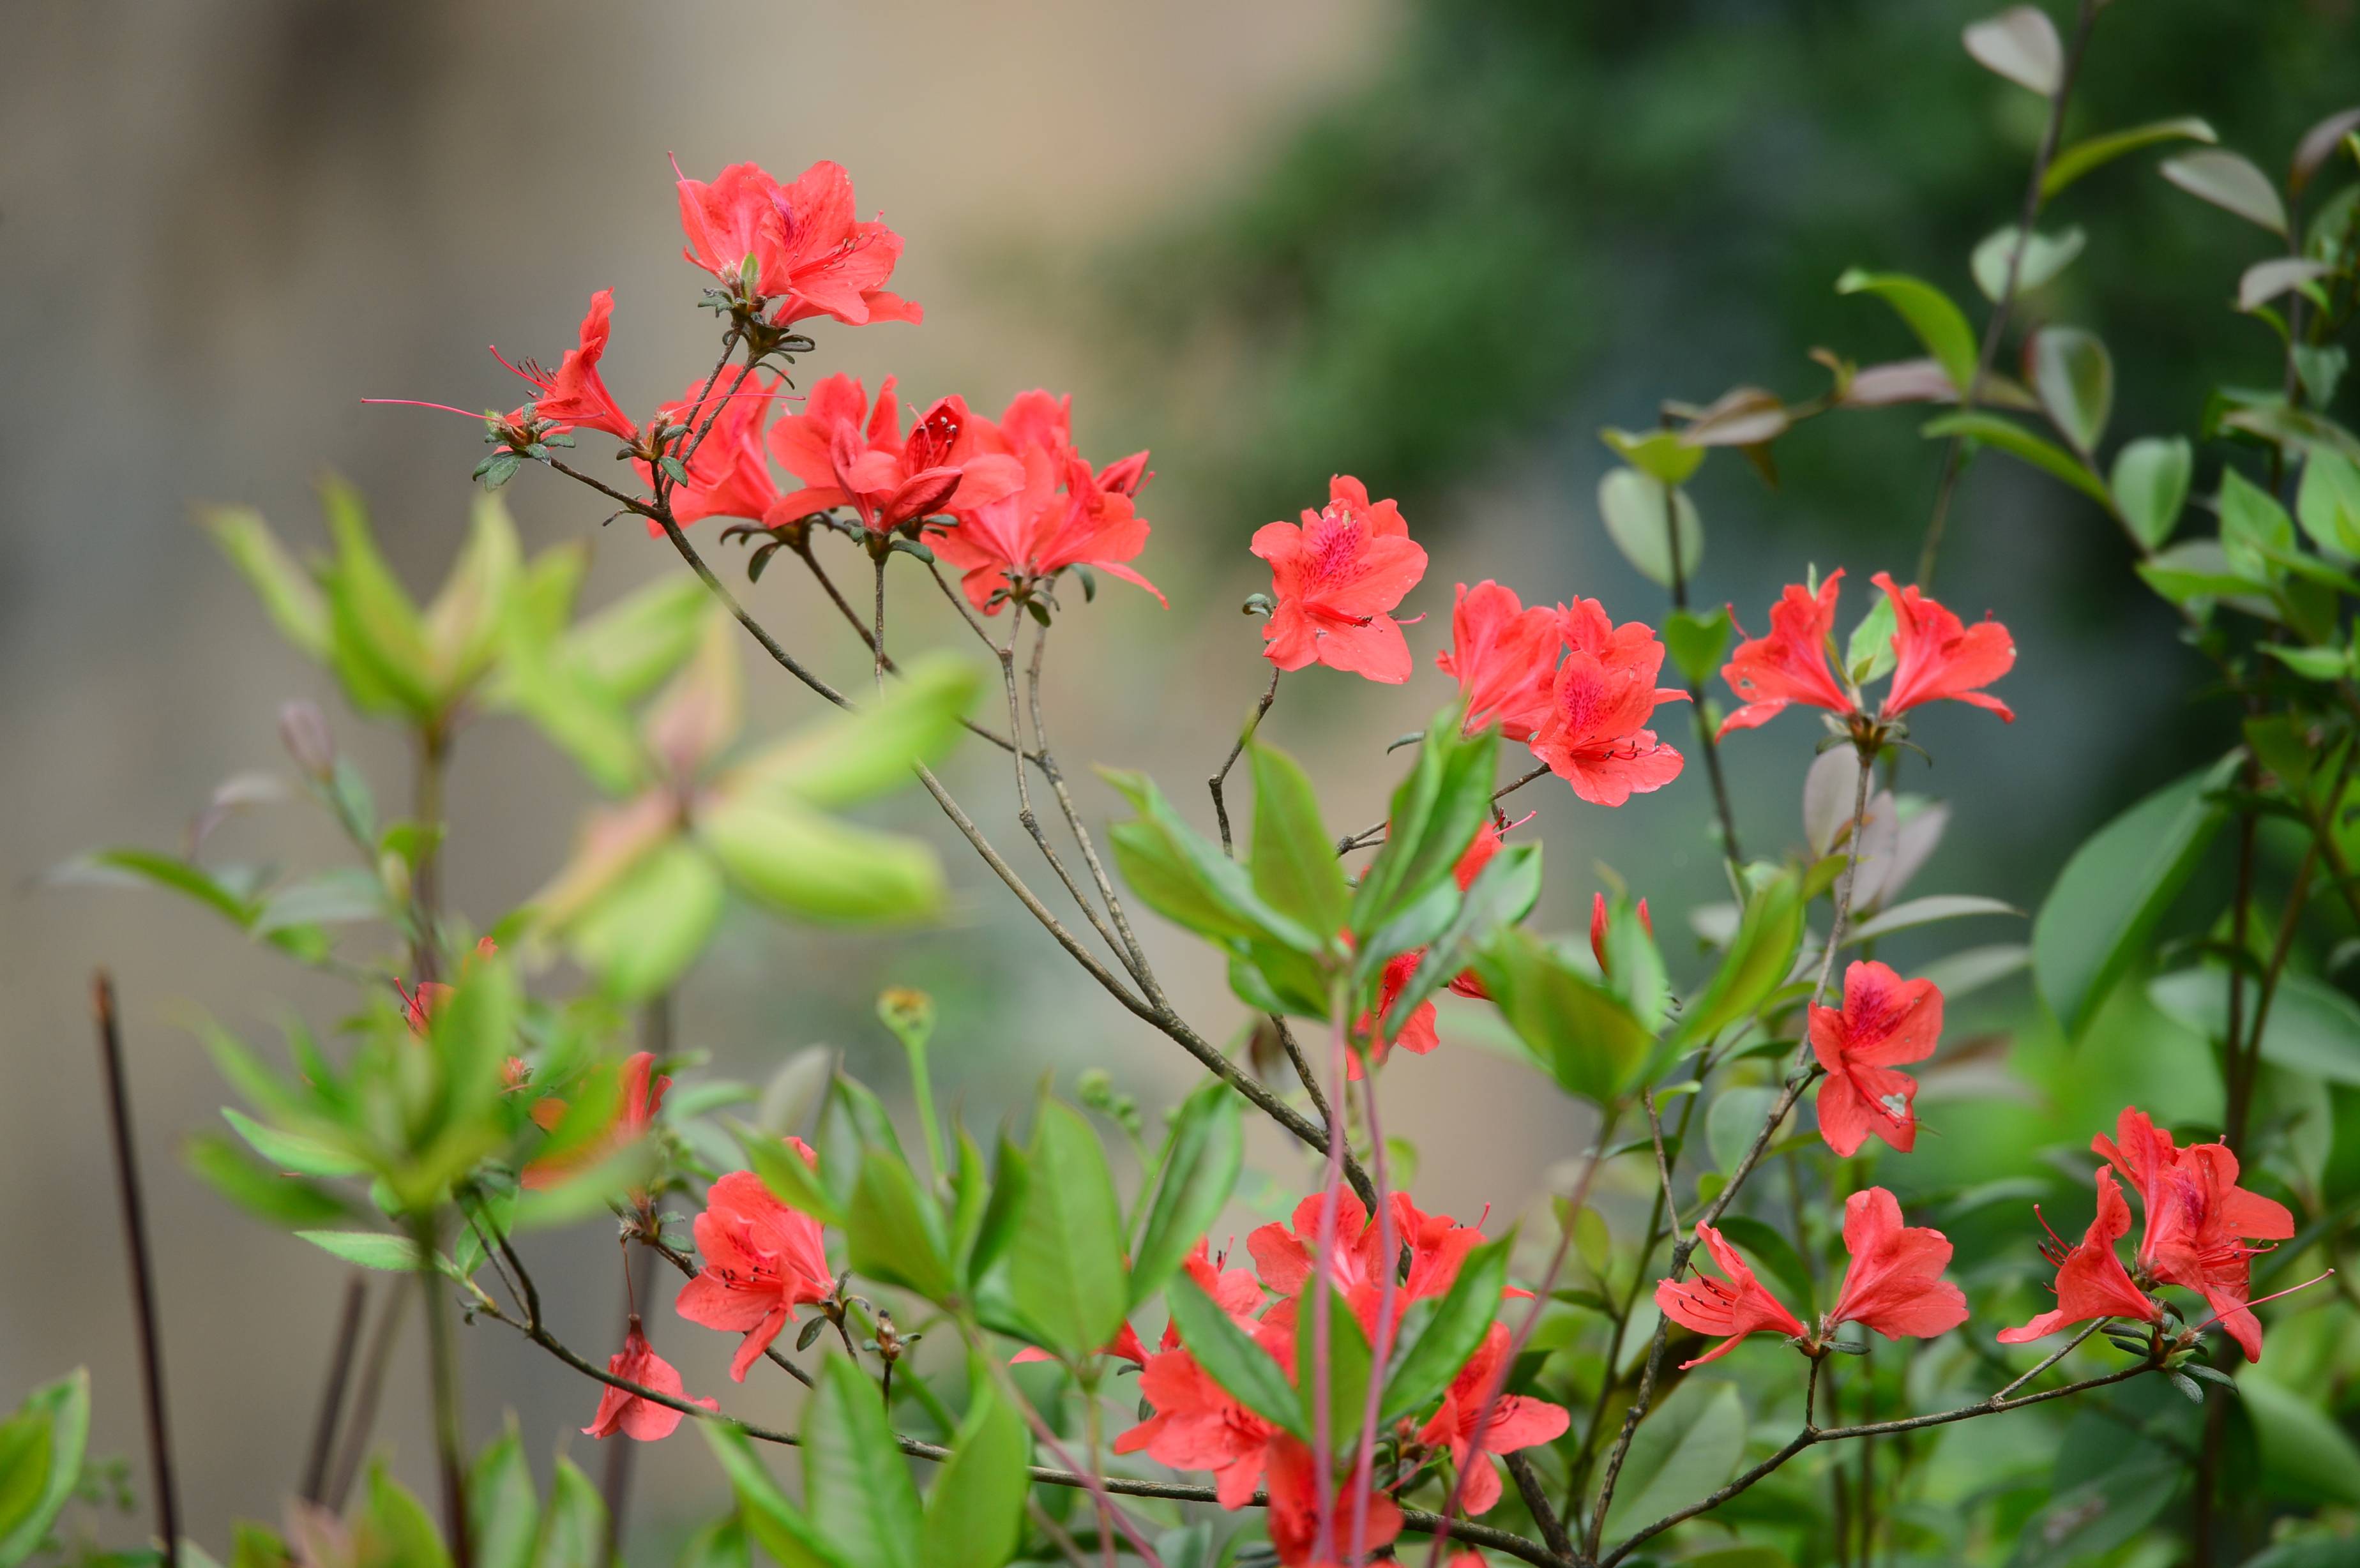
{"x": 304, "y": 730}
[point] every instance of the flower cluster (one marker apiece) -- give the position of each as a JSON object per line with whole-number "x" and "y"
{"x": 1935, "y": 655}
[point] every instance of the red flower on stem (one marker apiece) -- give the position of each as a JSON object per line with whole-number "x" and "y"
{"x": 1197, "y": 1426}
{"x": 1061, "y": 514}
{"x": 1894, "y": 1282}
{"x": 2200, "y": 1222}
{"x": 1595, "y": 735}
{"x": 848, "y": 455}
{"x": 1790, "y": 665}
{"x": 619, "y": 1410}
{"x": 1295, "y": 1501}
{"x": 809, "y": 248}
{"x": 1885, "y": 1022}
{"x": 575, "y": 394}
{"x": 1283, "y": 1256}
{"x": 1517, "y": 1422}
{"x": 762, "y": 1259}
{"x": 2091, "y": 1280}
{"x": 1336, "y": 578}
{"x": 1504, "y": 658}
{"x": 1732, "y": 1307}
{"x": 1937, "y": 656}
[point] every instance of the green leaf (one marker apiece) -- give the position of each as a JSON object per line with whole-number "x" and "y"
{"x": 1012, "y": 1183}
{"x": 289, "y": 595}
{"x": 2328, "y": 504}
{"x": 776, "y": 1524}
{"x": 1869, "y": 651}
{"x": 2231, "y": 182}
{"x": 1502, "y": 893}
{"x": 1660, "y": 454}
{"x": 1635, "y": 966}
{"x": 2097, "y": 151}
{"x": 721, "y": 1544}
{"x": 1697, "y": 643}
{"x": 1293, "y": 862}
{"x": 1769, "y": 934}
{"x": 293, "y": 1151}
{"x": 1201, "y": 1163}
{"x": 1633, "y": 507}
{"x": 1929, "y": 313}
{"x": 2045, "y": 256}
{"x": 2197, "y": 569}
{"x": 574, "y": 1530}
{"x": 856, "y": 1482}
{"x": 895, "y": 1232}
{"x": 396, "y": 1527}
{"x": 2312, "y": 1028}
{"x": 1347, "y": 1359}
{"x": 2106, "y": 903}
{"x": 1184, "y": 877}
{"x": 2151, "y": 486}
{"x": 855, "y": 755}
{"x": 464, "y": 625}
{"x": 2018, "y": 442}
{"x": 2306, "y": 1453}
{"x": 783, "y": 1172}
{"x": 1576, "y": 1029}
{"x": 367, "y": 1248}
{"x": 808, "y": 865}
{"x": 975, "y": 1510}
{"x": 41, "y": 1449}
{"x": 1231, "y": 1358}
{"x": 128, "y": 866}
{"x": 2075, "y": 378}
{"x": 337, "y": 897}
{"x": 1067, "y": 1276}
{"x": 631, "y": 647}
{"x": 378, "y": 642}
{"x": 288, "y": 1201}
{"x": 2254, "y": 527}
{"x": 1926, "y": 912}
{"x": 1434, "y": 815}
{"x": 504, "y": 1512}
{"x": 1425, "y": 1363}
{"x": 1685, "y": 1450}
{"x": 2020, "y": 44}
{"x": 643, "y": 931}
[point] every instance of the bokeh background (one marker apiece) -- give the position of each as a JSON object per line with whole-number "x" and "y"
{"x": 1435, "y": 243}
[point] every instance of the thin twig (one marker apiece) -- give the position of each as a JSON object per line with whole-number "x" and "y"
{"x": 1245, "y": 735}
{"x": 374, "y": 1364}
{"x": 143, "y": 1269}
{"x": 1046, "y": 757}
{"x": 1705, "y": 737}
{"x": 332, "y": 1392}
{"x": 1375, "y": 831}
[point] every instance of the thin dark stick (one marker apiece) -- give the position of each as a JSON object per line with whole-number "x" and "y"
{"x": 143, "y": 1279}
{"x": 442, "y": 1370}
{"x": 1997, "y": 328}
{"x": 1375, "y": 831}
{"x": 373, "y": 1363}
{"x": 1705, "y": 739}
{"x": 1253, "y": 723}
{"x": 331, "y": 1395}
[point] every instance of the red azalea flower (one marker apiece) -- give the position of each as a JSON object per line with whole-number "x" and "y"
{"x": 1598, "y": 927}
{"x": 730, "y": 474}
{"x": 1595, "y": 735}
{"x": 1283, "y": 1254}
{"x": 1886, "y": 1021}
{"x": 1196, "y": 1426}
{"x": 1295, "y": 1507}
{"x": 573, "y": 394}
{"x": 1894, "y": 1282}
{"x": 1061, "y": 515}
{"x": 2199, "y": 1221}
{"x": 628, "y": 1413}
{"x": 1480, "y": 851}
{"x": 888, "y": 480}
{"x": 1503, "y": 656}
{"x": 762, "y": 1259}
{"x": 1416, "y": 1036}
{"x": 635, "y": 1115}
{"x": 1336, "y": 579}
{"x": 1738, "y": 1307}
{"x": 810, "y": 247}
{"x": 1790, "y": 665}
{"x": 2091, "y": 1280}
{"x": 1516, "y": 1422}
{"x": 1936, "y": 656}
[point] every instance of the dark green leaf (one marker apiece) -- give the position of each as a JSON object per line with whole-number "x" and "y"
{"x": 1697, "y": 643}
{"x": 1293, "y": 862}
{"x": 856, "y": 1482}
{"x": 2075, "y": 378}
{"x": 2018, "y": 442}
{"x": 1502, "y": 893}
{"x": 2151, "y": 486}
{"x": 2084, "y": 155}
{"x": 1425, "y": 1363}
{"x": 1769, "y": 934}
{"x": 1347, "y": 1360}
{"x": 975, "y": 1510}
{"x": 1436, "y": 812}
{"x": 893, "y": 1231}
{"x": 1067, "y": 1276}
{"x": 1576, "y": 1029}
{"x": 776, "y": 1524}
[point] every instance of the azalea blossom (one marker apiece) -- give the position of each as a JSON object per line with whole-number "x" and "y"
{"x": 575, "y": 394}
{"x": 1790, "y": 665}
{"x": 2199, "y": 1223}
{"x": 1732, "y": 1307}
{"x": 1937, "y": 656}
{"x": 1195, "y": 1425}
{"x": 1885, "y": 1022}
{"x": 762, "y": 1259}
{"x": 2091, "y": 1280}
{"x": 1063, "y": 513}
{"x": 1417, "y": 1034}
{"x": 1282, "y": 1255}
{"x": 1336, "y": 578}
{"x": 1894, "y": 1282}
{"x": 1294, "y": 1502}
{"x": 628, "y": 1413}
{"x": 848, "y": 454}
{"x": 1595, "y": 734}
{"x": 810, "y": 251}
{"x": 1504, "y": 658}
{"x": 729, "y": 475}
{"x": 1516, "y": 1421}
{"x": 635, "y": 1115}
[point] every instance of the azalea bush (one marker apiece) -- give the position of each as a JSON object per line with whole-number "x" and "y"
{"x": 1738, "y": 1330}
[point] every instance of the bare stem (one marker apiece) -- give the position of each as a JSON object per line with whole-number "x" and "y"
{"x": 1375, "y": 831}
{"x": 442, "y": 1371}
{"x": 374, "y": 1364}
{"x": 1220, "y": 775}
{"x": 332, "y": 1392}
{"x": 143, "y": 1268}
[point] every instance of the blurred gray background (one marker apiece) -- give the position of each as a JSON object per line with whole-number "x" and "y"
{"x": 1437, "y": 246}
